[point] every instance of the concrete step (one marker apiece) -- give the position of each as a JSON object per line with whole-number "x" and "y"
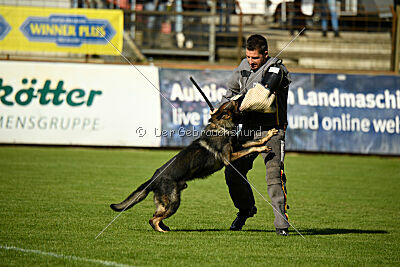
{"x": 332, "y": 47}
{"x": 351, "y": 54}
{"x": 351, "y": 51}
{"x": 339, "y": 64}
{"x": 38, "y": 3}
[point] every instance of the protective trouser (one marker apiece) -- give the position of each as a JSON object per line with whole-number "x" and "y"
{"x": 241, "y": 192}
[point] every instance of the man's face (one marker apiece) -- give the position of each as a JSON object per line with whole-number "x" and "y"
{"x": 256, "y": 59}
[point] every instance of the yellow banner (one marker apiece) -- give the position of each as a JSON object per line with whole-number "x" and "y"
{"x": 82, "y": 31}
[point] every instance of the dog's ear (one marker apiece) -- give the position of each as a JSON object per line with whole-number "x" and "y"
{"x": 227, "y": 110}
{"x": 222, "y": 111}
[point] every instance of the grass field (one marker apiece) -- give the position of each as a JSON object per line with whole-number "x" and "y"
{"x": 54, "y": 201}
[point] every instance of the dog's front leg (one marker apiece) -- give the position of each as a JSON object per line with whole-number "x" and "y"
{"x": 237, "y": 155}
{"x": 261, "y": 141}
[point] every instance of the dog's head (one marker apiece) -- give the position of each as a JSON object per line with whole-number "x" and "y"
{"x": 227, "y": 115}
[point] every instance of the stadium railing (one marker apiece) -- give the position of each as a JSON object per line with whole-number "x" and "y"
{"x": 211, "y": 26}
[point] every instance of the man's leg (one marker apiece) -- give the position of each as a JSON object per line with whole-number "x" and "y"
{"x": 240, "y": 190}
{"x": 275, "y": 180}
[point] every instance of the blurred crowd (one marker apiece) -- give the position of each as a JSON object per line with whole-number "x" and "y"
{"x": 190, "y": 28}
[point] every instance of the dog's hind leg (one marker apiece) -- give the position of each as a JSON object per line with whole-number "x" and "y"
{"x": 166, "y": 205}
{"x": 156, "y": 221}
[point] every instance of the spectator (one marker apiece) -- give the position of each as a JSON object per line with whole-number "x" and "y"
{"x": 193, "y": 24}
{"x": 180, "y": 37}
{"x": 225, "y": 9}
{"x": 153, "y": 22}
{"x": 296, "y": 18}
{"x": 330, "y": 5}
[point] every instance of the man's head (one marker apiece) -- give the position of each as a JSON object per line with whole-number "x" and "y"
{"x": 256, "y": 51}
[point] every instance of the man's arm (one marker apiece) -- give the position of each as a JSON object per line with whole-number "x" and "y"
{"x": 275, "y": 77}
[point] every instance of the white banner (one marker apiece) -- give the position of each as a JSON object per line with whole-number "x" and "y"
{"x": 78, "y": 104}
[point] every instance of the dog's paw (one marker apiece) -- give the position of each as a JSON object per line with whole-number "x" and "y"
{"x": 156, "y": 227}
{"x": 164, "y": 227}
{"x": 263, "y": 149}
{"x": 268, "y": 136}
{"x": 272, "y": 132}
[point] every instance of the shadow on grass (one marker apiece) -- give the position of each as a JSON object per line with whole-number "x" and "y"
{"x": 326, "y": 231}
{"x": 335, "y": 231}
{"x": 219, "y": 230}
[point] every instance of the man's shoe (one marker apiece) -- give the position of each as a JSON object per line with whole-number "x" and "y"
{"x": 238, "y": 223}
{"x": 282, "y": 232}
{"x": 241, "y": 218}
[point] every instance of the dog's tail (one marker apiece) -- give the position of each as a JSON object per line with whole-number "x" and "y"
{"x": 135, "y": 197}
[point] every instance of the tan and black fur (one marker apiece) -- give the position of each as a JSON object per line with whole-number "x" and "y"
{"x": 215, "y": 148}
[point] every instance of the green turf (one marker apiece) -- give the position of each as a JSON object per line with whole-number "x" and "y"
{"x": 56, "y": 200}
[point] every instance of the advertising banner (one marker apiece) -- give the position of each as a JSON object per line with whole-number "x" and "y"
{"x": 78, "y": 104}
{"x": 109, "y": 105}
{"x": 344, "y": 113}
{"x": 326, "y": 112}
{"x": 82, "y": 31}
{"x": 184, "y": 111}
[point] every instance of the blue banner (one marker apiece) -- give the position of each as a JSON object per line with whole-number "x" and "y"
{"x": 344, "y": 113}
{"x": 326, "y": 112}
{"x": 182, "y": 124}
{"x": 67, "y": 30}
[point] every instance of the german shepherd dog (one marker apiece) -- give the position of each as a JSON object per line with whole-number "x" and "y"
{"x": 215, "y": 148}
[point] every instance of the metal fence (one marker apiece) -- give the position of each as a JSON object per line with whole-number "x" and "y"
{"x": 199, "y": 28}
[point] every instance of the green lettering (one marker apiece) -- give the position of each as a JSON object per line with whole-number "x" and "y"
{"x": 29, "y": 96}
{"x": 7, "y": 91}
{"x": 59, "y": 91}
{"x": 80, "y": 93}
{"x": 92, "y": 94}
{"x": 43, "y": 93}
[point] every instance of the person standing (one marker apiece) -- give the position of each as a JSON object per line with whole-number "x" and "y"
{"x": 329, "y": 6}
{"x": 259, "y": 68}
{"x": 296, "y": 19}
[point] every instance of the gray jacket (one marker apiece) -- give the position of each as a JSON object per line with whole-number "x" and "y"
{"x": 243, "y": 79}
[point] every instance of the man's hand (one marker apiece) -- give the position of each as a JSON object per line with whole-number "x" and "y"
{"x": 272, "y": 79}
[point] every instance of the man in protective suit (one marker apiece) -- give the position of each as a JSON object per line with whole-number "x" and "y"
{"x": 258, "y": 70}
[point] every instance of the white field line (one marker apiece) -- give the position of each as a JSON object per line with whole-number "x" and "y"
{"x": 61, "y": 256}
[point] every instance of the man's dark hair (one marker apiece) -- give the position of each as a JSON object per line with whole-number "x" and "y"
{"x": 257, "y": 42}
